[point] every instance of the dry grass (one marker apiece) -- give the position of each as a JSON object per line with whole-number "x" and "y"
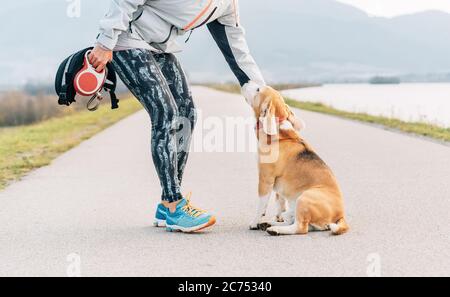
{"x": 19, "y": 108}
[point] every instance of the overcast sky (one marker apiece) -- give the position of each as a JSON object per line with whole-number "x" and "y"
{"x": 391, "y": 8}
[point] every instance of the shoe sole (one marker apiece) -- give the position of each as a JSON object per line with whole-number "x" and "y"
{"x": 174, "y": 228}
{"x": 159, "y": 223}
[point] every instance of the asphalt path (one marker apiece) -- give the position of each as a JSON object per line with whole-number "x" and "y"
{"x": 90, "y": 212}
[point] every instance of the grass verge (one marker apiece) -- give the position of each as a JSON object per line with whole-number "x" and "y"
{"x": 25, "y": 148}
{"x": 234, "y": 88}
{"x": 422, "y": 129}
{"x": 417, "y": 128}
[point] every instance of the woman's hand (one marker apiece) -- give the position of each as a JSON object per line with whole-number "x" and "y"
{"x": 99, "y": 57}
{"x": 249, "y": 91}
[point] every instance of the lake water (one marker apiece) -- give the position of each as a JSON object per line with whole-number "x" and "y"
{"x": 427, "y": 102}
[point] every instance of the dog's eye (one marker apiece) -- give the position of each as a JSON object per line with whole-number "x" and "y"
{"x": 258, "y": 89}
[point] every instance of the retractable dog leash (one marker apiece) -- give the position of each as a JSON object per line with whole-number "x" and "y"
{"x": 76, "y": 76}
{"x": 89, "y": 82}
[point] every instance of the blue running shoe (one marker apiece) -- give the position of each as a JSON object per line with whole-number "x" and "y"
{"x": 188, "y": 218}
{"x": 161, "y": 216}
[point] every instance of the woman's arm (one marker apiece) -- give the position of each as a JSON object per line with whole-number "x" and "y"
{"x": 230, "y": 37}
{"x": 112, "y": 25}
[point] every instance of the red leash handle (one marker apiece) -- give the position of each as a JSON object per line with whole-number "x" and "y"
{"x": 88, "y": 81}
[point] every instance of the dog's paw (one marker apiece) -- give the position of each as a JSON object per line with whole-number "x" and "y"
{"x": 264, "y": 226}
{"x": 273, "y": 232}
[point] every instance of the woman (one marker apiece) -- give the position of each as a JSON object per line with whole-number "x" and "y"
{"x": 138, "y": 37}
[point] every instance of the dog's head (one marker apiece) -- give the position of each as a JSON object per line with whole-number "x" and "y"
{"x": 273, "y": 113}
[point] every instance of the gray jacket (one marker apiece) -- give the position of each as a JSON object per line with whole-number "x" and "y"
{"x": 159, "y": 22}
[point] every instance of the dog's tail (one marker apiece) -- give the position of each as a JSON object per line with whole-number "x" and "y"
{"x": 340, "y": 227}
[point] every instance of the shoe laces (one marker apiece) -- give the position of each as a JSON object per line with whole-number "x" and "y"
{"x": 190, "y": 209}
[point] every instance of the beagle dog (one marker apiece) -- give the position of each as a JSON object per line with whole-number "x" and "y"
{"x": 307, "y": 193}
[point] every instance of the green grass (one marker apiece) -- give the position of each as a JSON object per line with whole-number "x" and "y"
{"x": 25, "y": 148}
{"x": 417, "y": 128}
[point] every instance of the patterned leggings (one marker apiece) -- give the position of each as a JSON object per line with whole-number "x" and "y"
{"x": 159, "y": 83}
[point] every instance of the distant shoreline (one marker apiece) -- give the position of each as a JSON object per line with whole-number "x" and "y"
{"x": 433, "y": 132}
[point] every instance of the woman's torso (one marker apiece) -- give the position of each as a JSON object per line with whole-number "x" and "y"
{"x": 159, "y": 22}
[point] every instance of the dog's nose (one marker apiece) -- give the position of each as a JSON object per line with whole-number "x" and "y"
{"x": 258, "y": 89}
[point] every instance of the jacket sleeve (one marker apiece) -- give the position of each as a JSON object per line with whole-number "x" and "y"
{"x": 230, "y": 37}
{"x": 117, "y": 20}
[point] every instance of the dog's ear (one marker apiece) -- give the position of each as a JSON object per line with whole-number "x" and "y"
{"x": 297, "y": 123}
{"x": 268, "y": 119}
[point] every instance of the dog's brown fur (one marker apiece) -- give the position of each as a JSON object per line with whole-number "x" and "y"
{"x": 297, "y": 174}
